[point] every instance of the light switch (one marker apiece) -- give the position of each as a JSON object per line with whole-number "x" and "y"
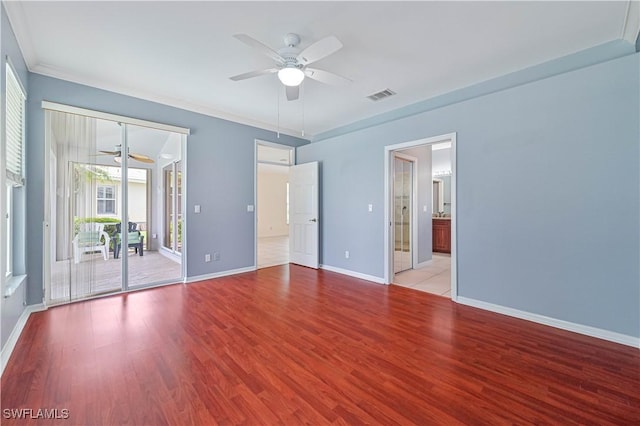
{"x": 424, "y": 209}
{"x": 196, "y": 208}
{"x": 370, "y": 207}
{"x": 250, "y": 208}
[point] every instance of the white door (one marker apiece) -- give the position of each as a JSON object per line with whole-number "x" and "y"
{"x": 303, "y": 214}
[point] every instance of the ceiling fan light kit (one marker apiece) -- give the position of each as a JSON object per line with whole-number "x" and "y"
{"x": 291, "y": 62}
{"x": 291, "y": 76}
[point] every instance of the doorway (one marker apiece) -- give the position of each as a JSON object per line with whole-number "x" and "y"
{"x": 105, "y": 222}
{"x": 424, "y": 215}
{"x": 273, "y": 162}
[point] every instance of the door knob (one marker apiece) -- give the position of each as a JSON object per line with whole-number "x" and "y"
{"x": 313, "y": 220}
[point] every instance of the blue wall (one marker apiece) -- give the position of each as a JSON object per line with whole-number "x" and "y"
{"x": 541, "y": 227}
{"x": 12, "y": 307}
{"x": 220, "y": 175}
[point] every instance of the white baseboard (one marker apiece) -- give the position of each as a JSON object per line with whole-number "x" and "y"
{"x": 15, "y": 334}
{"x": 553, "y": 322}
{"x": 354, "y": 274}
{"x": 219, "y": 274}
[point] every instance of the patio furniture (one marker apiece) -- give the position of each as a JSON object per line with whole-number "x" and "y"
{"x": 91, "y": 238}
{"x": 135, "y": 239}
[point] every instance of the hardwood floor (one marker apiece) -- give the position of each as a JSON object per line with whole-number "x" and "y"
{"x": 291, "y": 345}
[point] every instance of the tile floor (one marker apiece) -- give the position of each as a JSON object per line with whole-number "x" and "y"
{"x": 273, "y": 251}
{"x": 433, "y": 278}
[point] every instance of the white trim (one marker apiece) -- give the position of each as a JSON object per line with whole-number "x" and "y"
{"x": 388, "y": 267}
{"x": 12, "y": 284}
{"x": 354, "y": 274}
{"x": 219, "y": 274}
{"x": 553, "y": 322}
{"x": 454, "y": 218}
{"x": 15, "y": 334}
{"x": 53, "y": 72}
{"x": 18, "y": 21}
{"x": 262, "y": 142}
{"x": 53, "y": 106}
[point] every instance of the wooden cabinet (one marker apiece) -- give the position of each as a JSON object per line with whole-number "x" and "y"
{"x": 442, "y": 235}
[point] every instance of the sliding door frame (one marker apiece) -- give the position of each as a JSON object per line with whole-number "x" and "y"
{"x": 46, "y": 225}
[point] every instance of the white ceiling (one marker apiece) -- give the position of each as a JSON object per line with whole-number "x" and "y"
{"x": 183, "y": 53}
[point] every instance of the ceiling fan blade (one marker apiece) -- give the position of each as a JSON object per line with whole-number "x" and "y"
{"x": 253, "y": 74}
{"x": 293, "y": 92}
{"x": 320, "y": 49}
{"x": 327, "y": 77}
{"x": 263, "y": 48}
{"x": 141, "y": 158}
{"x": 109, "y": 152}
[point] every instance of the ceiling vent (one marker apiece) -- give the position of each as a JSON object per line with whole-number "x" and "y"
{"x": 381, "y": 95}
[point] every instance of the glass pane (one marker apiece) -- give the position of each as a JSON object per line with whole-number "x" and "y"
{"x": 148, "y": 261}
{"x": 82, "y": 264}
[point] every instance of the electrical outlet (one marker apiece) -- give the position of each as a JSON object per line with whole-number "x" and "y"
{"x": 196, "y": 208}
{"x": 154, "y": 236}
{"x": 207, "y": 257}
{"x": 216, "y": 256}
{"x": 346, "y": 254}
{"x": 370, "y": 207}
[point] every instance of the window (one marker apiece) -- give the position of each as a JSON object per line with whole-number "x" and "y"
{"x": 14, "y": 166}
{"x": 106, "y": 199}
{"x": 9, "y": 219}
{"x": 14, "y": 128}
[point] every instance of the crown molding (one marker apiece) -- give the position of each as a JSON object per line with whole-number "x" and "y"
{"x": 55, "y": 72}
{"x": 18, "y": 21}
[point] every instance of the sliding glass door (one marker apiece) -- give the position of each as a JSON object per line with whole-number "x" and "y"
{"x": 82, "y": 204}
{"x": 146, "y": 260}
{"x": 103, "y": 216}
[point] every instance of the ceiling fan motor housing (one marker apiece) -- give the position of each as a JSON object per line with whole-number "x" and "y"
{"x": 291, "y": 40}
{"x": 290, "y": 56}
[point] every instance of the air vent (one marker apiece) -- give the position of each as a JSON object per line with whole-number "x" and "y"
{"x": 381, "y": 95}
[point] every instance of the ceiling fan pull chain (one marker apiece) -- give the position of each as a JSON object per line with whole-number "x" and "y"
{"x": 278, "y": 128}
{"x": 302, "y": 96}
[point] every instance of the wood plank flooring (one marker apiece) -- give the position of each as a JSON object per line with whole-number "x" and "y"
{"x": 291, "y": 345}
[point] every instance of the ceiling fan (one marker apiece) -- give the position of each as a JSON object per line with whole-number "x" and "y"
{"x": 117, "y": 155}
{"x": 292, "y": 63}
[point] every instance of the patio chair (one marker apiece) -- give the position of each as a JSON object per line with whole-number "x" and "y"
{"x": 90, "y": 239}
{"x": 135, "y": 239}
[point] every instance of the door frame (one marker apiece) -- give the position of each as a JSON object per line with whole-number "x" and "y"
{"x": 414, "y": 205}
{"x": 48, "y": 227}
{"x": 292, "y": 161}
{"x": 388, "y": 180}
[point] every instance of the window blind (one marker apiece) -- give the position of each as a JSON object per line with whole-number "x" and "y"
{"x": 15, "y": 106}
